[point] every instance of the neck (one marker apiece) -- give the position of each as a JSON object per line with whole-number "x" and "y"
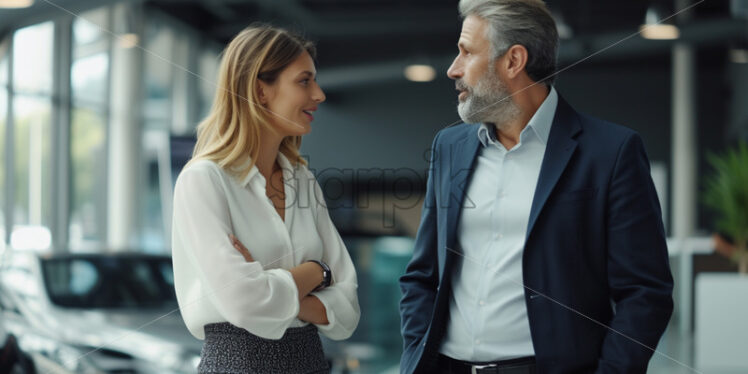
{"x": 527, "y": 102}
{"x": 269, "y": 148}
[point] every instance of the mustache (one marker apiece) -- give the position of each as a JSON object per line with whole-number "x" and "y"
{"x": 461, "y": 86}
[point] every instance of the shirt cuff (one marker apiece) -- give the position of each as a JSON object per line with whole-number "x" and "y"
{"x": 336, "y": 328}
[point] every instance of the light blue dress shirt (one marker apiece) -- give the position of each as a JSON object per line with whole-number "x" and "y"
{"x": 488, "y": 316}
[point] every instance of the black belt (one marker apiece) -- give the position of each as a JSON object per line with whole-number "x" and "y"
{"x": 522, "y": 365}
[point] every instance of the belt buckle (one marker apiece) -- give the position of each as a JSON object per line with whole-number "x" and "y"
{"x": 474, "y": 368}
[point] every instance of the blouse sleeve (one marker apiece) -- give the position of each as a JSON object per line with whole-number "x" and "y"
{"x": 340, "y": 299}
{"x": 264, "y": 302}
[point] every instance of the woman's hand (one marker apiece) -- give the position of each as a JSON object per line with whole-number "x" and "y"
{"x": 241, "y": 248}
{"x": 307, "y": 276}
{"x": 313, "y": 311}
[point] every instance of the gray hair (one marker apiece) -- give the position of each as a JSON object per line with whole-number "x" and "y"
{"x": 525, "y": 22}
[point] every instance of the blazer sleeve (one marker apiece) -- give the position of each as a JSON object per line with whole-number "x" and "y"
{"x": 341, "y": 298}
{"x": 421, "y": 278}
{"x": 639, "y": 275}
{"x": 264, "y": 302}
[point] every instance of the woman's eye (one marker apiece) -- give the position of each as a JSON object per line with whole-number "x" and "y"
{"x": 304, "y": 81}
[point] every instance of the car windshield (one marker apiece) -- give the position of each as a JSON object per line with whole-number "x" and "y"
{"x": 110, "y": 282}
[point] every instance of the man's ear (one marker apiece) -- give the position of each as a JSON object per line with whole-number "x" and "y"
{"x": 513, "y": 62}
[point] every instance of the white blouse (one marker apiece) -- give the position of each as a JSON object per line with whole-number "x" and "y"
{"x": 213, "y": 281}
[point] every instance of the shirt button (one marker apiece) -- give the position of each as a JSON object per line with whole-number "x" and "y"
{"x": 477, "y": 341}
{"x": 500, "y": 236}
{"x": 482, "y": 302}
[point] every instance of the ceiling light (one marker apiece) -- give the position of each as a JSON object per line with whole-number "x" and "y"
{"x": 659, "y": 32}
{"x": 128, "y": 40}
{"x": 739, "y": 56}
{"x": 656, "y": 27}
{"x": 16, "y": 3}
{"x": 420, "y": 73}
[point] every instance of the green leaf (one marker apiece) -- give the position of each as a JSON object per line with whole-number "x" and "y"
{"x": 726, "y": 192}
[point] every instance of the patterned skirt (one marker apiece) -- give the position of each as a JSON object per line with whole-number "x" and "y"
{"x": 231, "y": 349}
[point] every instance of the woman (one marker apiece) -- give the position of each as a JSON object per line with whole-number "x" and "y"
{"x": 259, "y": 307}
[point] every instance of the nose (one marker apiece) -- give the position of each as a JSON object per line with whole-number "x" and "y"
{"x": 455, "y": 70}
{"x": 318, "y": 96}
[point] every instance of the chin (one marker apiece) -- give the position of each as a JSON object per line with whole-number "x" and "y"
{"x": 461, "y": 111}
{"x": 301, "y": 129}
{"x": 307, "y": 129}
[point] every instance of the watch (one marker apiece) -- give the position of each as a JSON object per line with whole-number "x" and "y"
{"x": 326, "y": 275}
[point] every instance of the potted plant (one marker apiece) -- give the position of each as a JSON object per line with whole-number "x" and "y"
{"x": 727, "y": 194}
{"x": 721, "y": 302}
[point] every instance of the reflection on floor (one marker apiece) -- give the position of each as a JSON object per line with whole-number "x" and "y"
{"x": 674, "y": 354}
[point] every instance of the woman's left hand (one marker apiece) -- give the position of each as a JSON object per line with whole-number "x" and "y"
{"x": 241, "y": 248}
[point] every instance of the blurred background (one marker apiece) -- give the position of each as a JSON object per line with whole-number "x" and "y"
{"x": 99, "y": 100}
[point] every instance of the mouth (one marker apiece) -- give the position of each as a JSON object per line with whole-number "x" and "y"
{"x": 462, "y": 95}
{"x": 309, "y": 113}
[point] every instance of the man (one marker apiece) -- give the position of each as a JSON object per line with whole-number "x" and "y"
{"x": 541, "y": 246}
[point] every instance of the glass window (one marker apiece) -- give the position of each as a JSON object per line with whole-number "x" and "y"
{"x": 32, "y": 59}
{"x": 3, "y": 130}
{"x": 158, "y": 75}
{"x": 208, "y": 69}
{"x": 3, "y": 64}
{"x": 153, "y": 232}
{"x": 182, "y": 95}
{"x": 89, "y": 79}
{"x": 32, "y": 110}
{"x": 87, "y": 177}
{"x": 157, "y": 118}
{"x": 89, "y": 27}
{"x": 32, "y": 143}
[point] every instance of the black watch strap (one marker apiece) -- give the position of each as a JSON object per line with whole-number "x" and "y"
{"x": 326, "y": 275}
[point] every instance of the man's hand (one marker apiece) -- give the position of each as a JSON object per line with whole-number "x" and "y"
{"x": 241, "y": 248}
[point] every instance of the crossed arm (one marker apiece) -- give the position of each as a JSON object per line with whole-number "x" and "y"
{"x": 307, "y": 277}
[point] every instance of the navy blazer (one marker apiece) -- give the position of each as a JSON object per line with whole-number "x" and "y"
{"x": 598, "y": 286}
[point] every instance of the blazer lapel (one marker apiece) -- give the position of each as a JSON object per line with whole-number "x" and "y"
{"x": 460, "y": 170}
{"x": 561, "y": 146}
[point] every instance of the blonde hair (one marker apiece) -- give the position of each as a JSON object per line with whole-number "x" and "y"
{"x": 231, "y": 132}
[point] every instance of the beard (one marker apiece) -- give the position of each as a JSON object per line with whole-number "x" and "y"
{"x": 488, "y": 102}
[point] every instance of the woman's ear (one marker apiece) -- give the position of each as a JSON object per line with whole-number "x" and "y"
{"x": 266, "y": 92}
{"x": 261, "y": 92}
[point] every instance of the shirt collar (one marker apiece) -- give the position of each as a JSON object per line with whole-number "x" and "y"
{"x": 283, "y": 161}
{"x": 540, "y": 123}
